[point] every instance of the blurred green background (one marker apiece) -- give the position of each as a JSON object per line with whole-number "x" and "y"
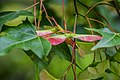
{"x": 18, "y": 66}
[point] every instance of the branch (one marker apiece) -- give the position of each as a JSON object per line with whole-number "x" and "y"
{"x": 89, "y": 24}
{"x": 64, "y": 20}
{"x": 99, "y": 3}
{"x": 47, "y": 15}
{"x": 75, "y": 6}
{"x": 83, "y": 4}
{"x": 40, "y": 13}
{"x": 108, "y": 25}
{"x": 35, "y": 20}
{"x": 97, "y": 21}
{"x": 73, "y": 49}
{"x": 31, "y": 6}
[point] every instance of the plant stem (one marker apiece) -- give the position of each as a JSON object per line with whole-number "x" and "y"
{"x": 36, "y": 72}
{"x": 116, "y": 48}
{"x": 102, "y": 2}
{"x": 108, "y": 25}
{"x": 31, "y": 6}
{"x": 89, "y": 24}
{"x": 75, "y": 6}
{"x": 75, "y": 24}
{"x": 74, "y": 61}
{"x": 64, "y": 75}
{"x": 74, "y": 42}
{"x": 64, "y": 19}
{"x": 47, "y": 15}
{"x": 35, "y": 14}
{"x": 73, "y": 50}
{"x": 40, "y": 13}
{"x": 83, "y": 4}
{"x": 97, "y": 21}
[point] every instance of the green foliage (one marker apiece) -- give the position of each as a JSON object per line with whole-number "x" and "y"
{"x": 118, "y": 0}
{"x": 24, "y": 36}
{"x": 109, "y": 39}
{"x": 54, "y": 51}
{"x": 86, "y": 47}
{"x": 61, "y": 50}
{"x": 10, "y": 15}
{"x": 94, "y": 72}
{"x": 117, "y": 56}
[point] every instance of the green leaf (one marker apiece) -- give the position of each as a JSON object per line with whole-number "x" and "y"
{"x": 24, "y": 36}
{"x": 5, "y": 13}
{"x": 85, "y": 46}
{"x": 111, "y": 51}
{"x": 101, "y": 67}
{"x": 57, "y": 67}
{"x": 7, "y": 16}
{"x": 109, "y": 39}
{"x": 85, "y": 61}
{"x": 94, "y": 72}
{"x": 86, "y": 75}
{"x": 40, "y": 64}
{"x": 110, "y": 76}
{"x": 62, "y": 51}
{"x": 44, "y": 75}
{"x": 99, "y": 55}
{"x": 117, "y": 56}
{"x": 115, "y": 68}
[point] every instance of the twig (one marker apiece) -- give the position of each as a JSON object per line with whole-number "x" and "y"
{"x": 47, "y": 15}
{"x": 40, "y": 13}
{"x": 64, "y": 19}
{"x": 81, "y": 15}
{"x": 35, "y": 14}
{"x": 74, "y": 60}
{"x": 102, "y": 2}
{"x": 67, "y": 70}
{"x": 75, "y": 6}
{"x": 31, "y": 6}
{"x": 57, "y": 25}
{"x": 116, "y": 48}
{"x": 97, "y": 21}
{"x": 54, "y": 21}
{"x": 75, "y": 24}
{"x": 73, "y": 49}
{"x": 74, "y": 42}
{"x": 89, "y": 24}
{"x": 83, "y": 4}
{"x": 108, "y": 25}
